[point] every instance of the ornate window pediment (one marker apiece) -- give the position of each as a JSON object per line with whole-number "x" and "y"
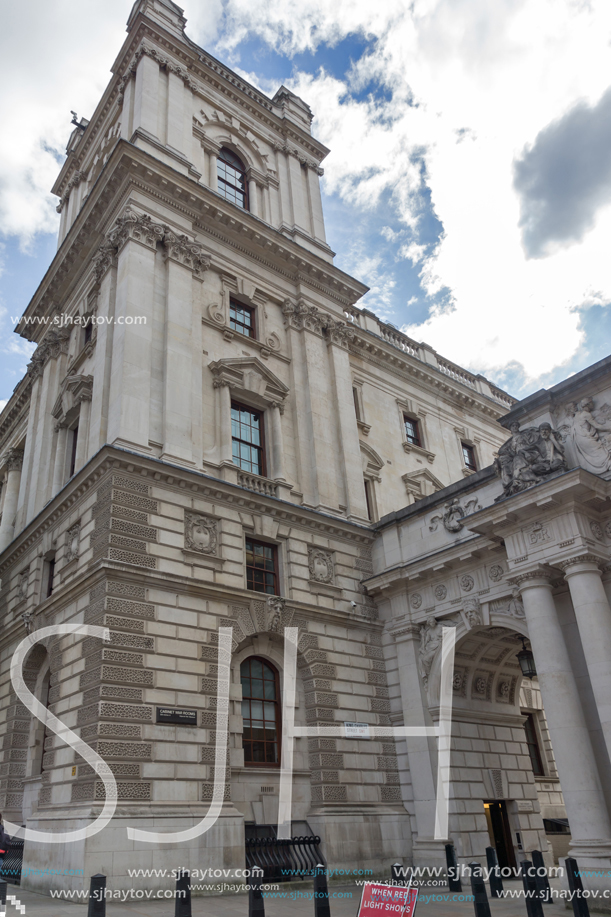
{"x": 73, "y": 390}
{"x": 250, "y": 378}
{"x": 420, "y": 484}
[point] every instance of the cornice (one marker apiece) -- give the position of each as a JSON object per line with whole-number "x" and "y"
{"x": 375, "y": 350}
{"x": 16, "y": 406}
{"x": 158, "y": 472}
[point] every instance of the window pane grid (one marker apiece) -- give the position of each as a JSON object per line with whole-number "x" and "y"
{"x": 468, "y": 454}
{"x": 412, "y": 433}
{"x": 231, "y": 178}
{"x": 241, "y": 319}
{"x": 260, "y": 712}
{"x": 261, "y": 567}
{"x": 247, "y": 439}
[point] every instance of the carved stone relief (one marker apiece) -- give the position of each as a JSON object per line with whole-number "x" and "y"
{"x": 431, "y": 635}
{"x": 588, "y": 430}
{"x": 473, "y": 612}
{"x": 440, "y": 592}
{"x": 320, "y": 564}
{"x": 73, "y": 538}
{"x": 22, "y": 586}
{"x": 537, "y": 533}
{"x": 453, "y": 515}
{"x": 466, "y": 583}
{"x": 201, "y": 533}
{"x": 415, "y": 600}
{"x": 495, "y": 573}
{"x": 513, "y": 606}
{"x": 530, "y": 456}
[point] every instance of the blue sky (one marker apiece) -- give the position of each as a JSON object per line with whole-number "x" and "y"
{"x": 469, "y": 180}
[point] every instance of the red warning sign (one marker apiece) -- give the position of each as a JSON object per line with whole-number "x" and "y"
{"x": 395, "y": 900}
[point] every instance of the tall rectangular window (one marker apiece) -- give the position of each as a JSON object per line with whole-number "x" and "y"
{"x": 241, "y": 318}
{"x": 368, "y": 499}
{"x": 261, "y": 712}
{"x": 261, "y": 567}
{"x": 412, "y": 431}
{"x": 247, "y": 442}
{"x": 533, "y": 746}
{"x": 73, "y": 450}
{"x": 50, "y": 575}
{"x": 468, "y": 454}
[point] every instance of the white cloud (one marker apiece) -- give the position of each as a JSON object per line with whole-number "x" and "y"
{"x": 3, "y": 404}
{"x": 472, "y": 84}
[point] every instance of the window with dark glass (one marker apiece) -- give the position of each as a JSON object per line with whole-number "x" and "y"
{"x": 73, "y": 450}
{"x": 247, "y": 438}
{"x": 50, "y": 575}
{"x": 261, "y": 567}
{"x": 468, "y": 454}
{"x": 368, "y": 499}
{"x": 88, "y": 331}
{"x": 260, "y": 712}
{"x": 412, "y": 431}
{"x": 533, "y": 746}
{"x": 241, "y": 318}
{"x": 231, "y": 178}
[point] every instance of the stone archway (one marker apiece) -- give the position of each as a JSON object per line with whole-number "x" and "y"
{"x": 495, "y": 789}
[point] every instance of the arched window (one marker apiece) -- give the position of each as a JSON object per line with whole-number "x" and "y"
{"x": 260, "y": 712}
{"x": 231, "y": 175}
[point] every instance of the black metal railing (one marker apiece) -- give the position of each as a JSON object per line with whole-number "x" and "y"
{"x": 284, "y": 859}
{"x": 10, "y": 870}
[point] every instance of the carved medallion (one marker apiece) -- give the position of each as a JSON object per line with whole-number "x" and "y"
{"x": 441, "y": 592}
{"x": 496, "y": 573}
{"x": 416, "y": 600}
{"x": 467, "y": 583}
{"x": 597, "y": 530}
{"x": 200, "y": 533}
{"x": 320, "y": 564}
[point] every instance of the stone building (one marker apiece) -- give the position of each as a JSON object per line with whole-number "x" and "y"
{"x": 218, "y": 436}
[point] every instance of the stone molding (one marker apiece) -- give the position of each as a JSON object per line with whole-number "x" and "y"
{"x": 73, "y": 390}
{"x": 521, "y": 579}
{"x": 290, "y": 150}
{"x": 580, "y": 559}
{"x": 190, "y": 254}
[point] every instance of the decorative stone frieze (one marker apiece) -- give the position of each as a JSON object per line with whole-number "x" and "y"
{"x": 589, "y": 432}
{"x": 530, "y": 456}
{"x": 301, "y": 316}
{"x": 164, "y": 63}
{"x": 580, "y": 559}
{"x": 201, "y": 533}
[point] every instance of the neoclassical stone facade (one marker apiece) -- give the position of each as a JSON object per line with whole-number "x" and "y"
{"x": 220, "y": 437}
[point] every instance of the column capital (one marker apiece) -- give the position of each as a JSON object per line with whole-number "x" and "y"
{"x": 540, "y": 576}
{"x": 580, "y": 563}
{"x": 13, "y": 459}
{"x": 404, "y": 629}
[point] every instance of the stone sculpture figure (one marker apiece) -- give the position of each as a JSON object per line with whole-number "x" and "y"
{"x": 528, "y": 457}
{"x": 473, "y": 613}
{"x": 590, "y": 432}
{"x": 431, "y": 634}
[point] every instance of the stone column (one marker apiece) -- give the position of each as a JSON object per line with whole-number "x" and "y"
{"x": 59, "y": 465}
{"x": 83, "y": 433}
{"x": 253, "y": 202}
{"x": 14, "y": 461}
{"x": 427, "y": 850}
{"x": 278, "y": 472}
{"x": 338, "y": 334}
{"x": 212, "y": 172}
{"x": 579, "y": 778}
{"x": 225, "y": 421}
{"x": 593, "y": 616}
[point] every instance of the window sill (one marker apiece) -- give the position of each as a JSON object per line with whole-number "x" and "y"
{"x": 409, "y": 447}
{"x": 199, "y": 559}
